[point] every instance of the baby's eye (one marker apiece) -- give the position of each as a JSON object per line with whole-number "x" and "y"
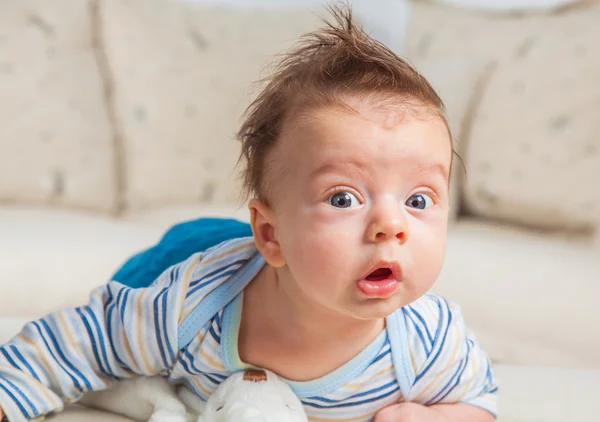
{"x": 343, "y": 200}
{"x": 420, "y": 201}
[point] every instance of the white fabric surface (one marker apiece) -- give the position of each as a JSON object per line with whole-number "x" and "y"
{"x": 52, "y": 259}
{"x": 548, "y": 394}
{"x": 530, "y": 299}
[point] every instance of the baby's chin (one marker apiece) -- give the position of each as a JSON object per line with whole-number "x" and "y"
{"x": 375, "y": 309}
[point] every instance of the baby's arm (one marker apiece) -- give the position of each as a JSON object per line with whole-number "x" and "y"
{"x": 413, "y": 412}
{"x": 454, "y": 380}
{"x": 121, "y": 333}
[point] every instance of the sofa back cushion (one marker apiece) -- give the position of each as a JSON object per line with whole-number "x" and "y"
{"x": 532, "y": 151}
{"x": 56, "y": 144}
{"x": 183, "y": 76}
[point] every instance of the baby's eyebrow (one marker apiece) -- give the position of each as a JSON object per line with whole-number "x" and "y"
{"x": 436, "y": 167}
{"x": 333, "y": 167}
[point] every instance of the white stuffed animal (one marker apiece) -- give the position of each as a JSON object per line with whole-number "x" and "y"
{"x": 254, "y": 395}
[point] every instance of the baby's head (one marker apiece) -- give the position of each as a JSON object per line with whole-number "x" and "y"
{"x": 348, "y": 157}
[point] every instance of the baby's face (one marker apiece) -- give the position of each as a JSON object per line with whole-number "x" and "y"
{"x": 361, "y": 207}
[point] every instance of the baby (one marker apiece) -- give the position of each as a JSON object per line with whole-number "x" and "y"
{"x": 348, "y": 158}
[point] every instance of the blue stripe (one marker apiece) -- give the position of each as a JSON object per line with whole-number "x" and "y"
{"x": 165, "y": 329}
{"x": 171, "y": 274}
{"x": 488, "y": 374}
{"x": 221, "y": 267}
{"x": 185, "y": 365}
{"x": 62, "y": 355}
{"x": 357, "y": 403}
{"x": 454, "y": 380}
{"x": 157, "y": 328}
{"x": 192, "y": 363}
{"x": 213, "y": 279}
{"x": 357, "y": 395}
{"x": 101, "y": 340}
{"x": 122, "y": 307}
{"x": 23, "y": 396}
{"x": 214, "y": 334}
{"x": 220, "y": 376}
{"x": 418, "y": 330}
{"x": 441, "y": 346}
{"x": 92, "y": 340}
{"x": 112, "y": 341}
{"x": 35, "y": 324}
{"x": 17, "y": 402}
{"x": 197, "y": 370}
{"x": 381, "y": 356}
{"x": 420, "y": 318}
{"x": 211, "y": 379}
{"x": 24, "y": 361}
{"x": 7, "y": 356}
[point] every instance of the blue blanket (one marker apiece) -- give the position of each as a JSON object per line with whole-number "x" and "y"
{"x": 179, "y": 242}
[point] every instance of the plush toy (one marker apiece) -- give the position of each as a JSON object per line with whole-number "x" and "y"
{"x": 254, "y": 395}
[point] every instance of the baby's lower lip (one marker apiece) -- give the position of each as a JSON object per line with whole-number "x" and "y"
{"x": 380, "y": 288}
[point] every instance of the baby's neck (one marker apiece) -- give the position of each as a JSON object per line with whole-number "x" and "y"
{"x": 296, "y": 339}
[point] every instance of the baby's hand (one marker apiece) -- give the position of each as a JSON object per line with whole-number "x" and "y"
{"x": 409, "y": 412}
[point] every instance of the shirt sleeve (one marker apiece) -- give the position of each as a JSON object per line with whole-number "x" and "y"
{"x": 450, "y": 366}
{"x": 120, "y": 333}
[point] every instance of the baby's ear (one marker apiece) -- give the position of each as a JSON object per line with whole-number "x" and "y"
{"x": 262, "y": 220}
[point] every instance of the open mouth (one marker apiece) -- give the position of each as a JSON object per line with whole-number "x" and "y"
{"x": 379, "y": 274}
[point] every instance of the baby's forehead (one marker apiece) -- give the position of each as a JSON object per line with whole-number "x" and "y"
{"x": 349, "y": 129}
{"x": 386, "y": 112}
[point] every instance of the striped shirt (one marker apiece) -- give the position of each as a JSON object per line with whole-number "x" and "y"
{"x": 425, "y": 355}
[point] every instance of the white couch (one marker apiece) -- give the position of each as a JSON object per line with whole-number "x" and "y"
{"x": 117, "y": 121}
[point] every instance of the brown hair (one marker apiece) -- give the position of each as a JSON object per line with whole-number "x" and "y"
{"x": 326, "y": 66}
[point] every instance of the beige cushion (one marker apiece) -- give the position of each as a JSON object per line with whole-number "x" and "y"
{"x": 55, "y": 138}
{"x": 53, "y": 259}
{"x": 533, "y": 149}
{"x": 77, "y": 413}
{"x": 547, "y": 394}
{"x": 56, "y": 258}
{"x": 164, "y": 217}
{"x": 530, "y": 299}
{"x": 440, "y": 31}
{"x": 455, "y": 79}
{"x": 183, "y": 74}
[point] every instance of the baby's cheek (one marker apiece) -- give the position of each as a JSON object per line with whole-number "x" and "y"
{"x": 429, "y": 258}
